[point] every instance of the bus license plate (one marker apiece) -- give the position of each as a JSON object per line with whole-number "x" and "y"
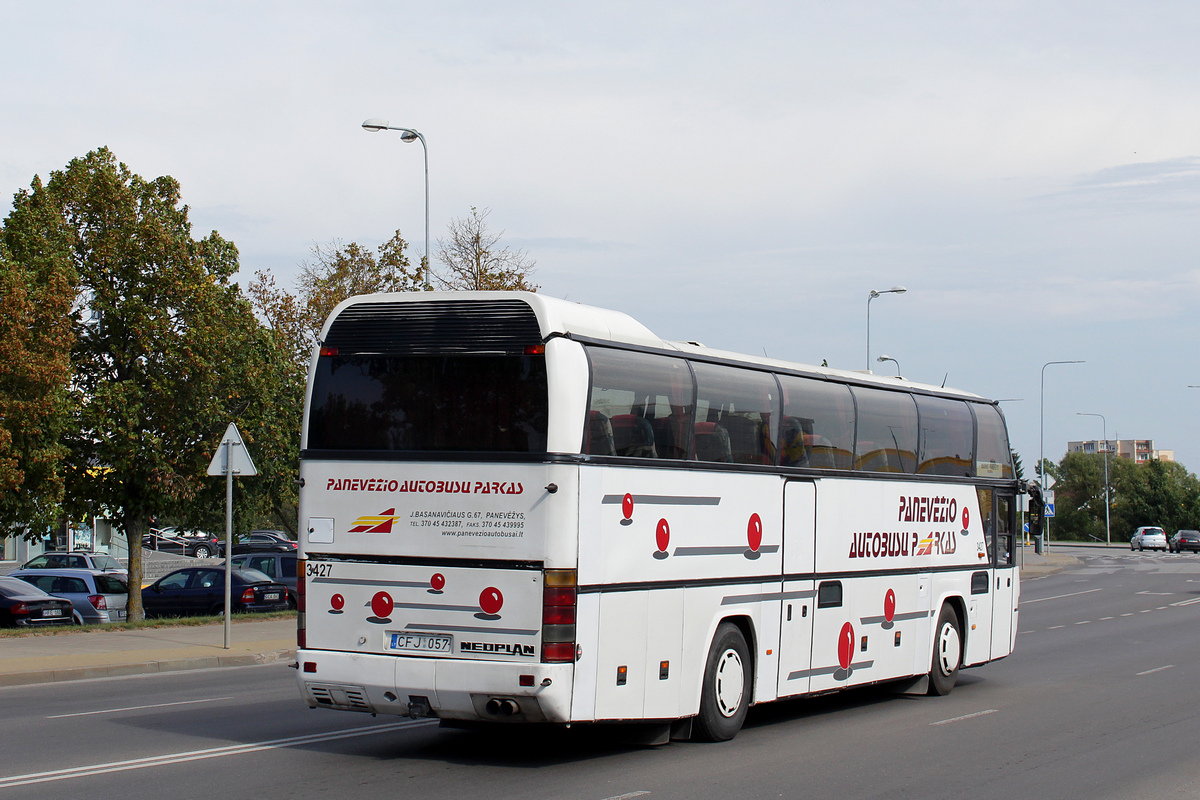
{"x": 423, "y": 642}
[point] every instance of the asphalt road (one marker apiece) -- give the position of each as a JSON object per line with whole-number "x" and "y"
{"x": 1097, "y": 702}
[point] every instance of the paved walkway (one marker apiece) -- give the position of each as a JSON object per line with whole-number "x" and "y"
{"x": 101, "y": 653}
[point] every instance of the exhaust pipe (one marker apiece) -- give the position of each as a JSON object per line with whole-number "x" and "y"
{"x": 500, "y": 707}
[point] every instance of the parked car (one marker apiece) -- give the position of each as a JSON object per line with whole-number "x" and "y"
{"x": 1148, "y": 537}
{"x": 77, "y": 560}
{"x": 211, "y": 539}
{"x": 25, "y": 606}
{"x": 264, "y": 542}
{"x": 1184, "y": 540}
{"x": 277, "y": 566}
{"x": 96, "y": 596}
{"x": 201, "y": 590}
{"x": 179, "y": 546}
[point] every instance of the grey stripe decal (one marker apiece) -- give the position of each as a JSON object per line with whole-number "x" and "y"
{"x": 812, "y": 673}
{"x": 420, "y": 626}
{"x": 434, "y": 607}
{"x": 758, "y": 598}
{"x": 896, "y": 617}
{"x": 660, "y": 500}
{"x": 369, "y": 582}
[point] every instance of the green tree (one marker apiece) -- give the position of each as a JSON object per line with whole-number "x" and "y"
{"x": 35, "y": 345}
{"x": 166, "y": 350}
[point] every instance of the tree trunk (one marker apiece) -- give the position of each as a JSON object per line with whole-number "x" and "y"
{"x": 134, "y": 529}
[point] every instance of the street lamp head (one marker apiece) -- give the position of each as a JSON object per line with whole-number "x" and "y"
{"x": 374, "y": 124}
{"x": 408, "y": 136}
{"x": 893, "y": 290}
{"x": 881, "y": 359}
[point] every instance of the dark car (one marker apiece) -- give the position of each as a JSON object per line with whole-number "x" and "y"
{"x": 277, "y": 566}
{"x": 1184, "y": 540}
{"x": 264, "y": 542}
{"x": 26, "y": 606}
{"x": 201, "y": 590}
{"x": 195, "y": 536}
{"x": 77, "y": 560}
{"x": 199, "y": 548}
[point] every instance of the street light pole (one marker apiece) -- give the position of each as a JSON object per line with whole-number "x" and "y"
{"x": 410, "y": 135}
{"x": 1104, "y": 428}
{"x": 1042, "y": 444}
{"x": 881, "y": 359}
{"x": 871, "y": 296}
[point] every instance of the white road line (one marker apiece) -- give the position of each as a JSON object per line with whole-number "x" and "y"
{"x": 1129, "y": 614}
{"x": 1055, "y": 627}
{"x": 139, "y": 708}
{"x": 198, "y": 755}
{"x": 1059, "y": 596}
{"x": 965, "y": 716}
{"x": 1187, "y": 602}
{"x": 626, "y": 796}
{"x": 1102, "y": 619}
{"x": 1084, "y": 622}
{"x": 1156, "y": 669}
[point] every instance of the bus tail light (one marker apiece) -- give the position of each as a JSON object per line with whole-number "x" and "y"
{"x": 301, "y": 604}
{"x": 559, "y": 597}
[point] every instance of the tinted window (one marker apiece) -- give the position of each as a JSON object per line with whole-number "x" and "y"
{"x": 947, "y": 436}
{"x": 12, "y": 587}
{"x": 818, "y": 424}
{"x": 253, "y": 576}
{"x": 263, "y": 564}
{"x": 106, "y": 562}
{"x": 107, "y": 584}
{"x": 736, "y": 415}
{"x": 176, "y": 580}
{"x": 993, "y": 458}
{"x": 429, "y": 403}
{"x": 287, "y": 567}
{"x": 640, "y": 405}
{"x": 887, "y": 431}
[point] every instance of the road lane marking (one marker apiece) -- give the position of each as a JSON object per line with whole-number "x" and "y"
{"x": 139, "y": 708}
{"x": 1055, "y": 627}
{"x": 1084, "y": 622}
{"x": 1102, "y": 619}
{"x": 1059, "y": 596}
{"x": 1156, "y": 669}
{"x": 1187, "y": 602}
{"x": 1157, "y": 594}
{"x": 965, "y": 716}
{"x": 627, "y": 796}
{"x": 198, "y": 755}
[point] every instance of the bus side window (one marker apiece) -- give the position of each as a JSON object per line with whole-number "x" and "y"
{"x": 640, "y": 405}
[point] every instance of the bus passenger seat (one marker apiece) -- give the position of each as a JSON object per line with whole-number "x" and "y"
{"x": 600, "y": 435}
{"x": 712, "y": 442}
{"x": 633, "y": 436}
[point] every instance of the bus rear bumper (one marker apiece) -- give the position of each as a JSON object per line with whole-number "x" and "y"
{"x": 461, "y": 689}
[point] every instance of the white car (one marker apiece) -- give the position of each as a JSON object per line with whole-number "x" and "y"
{"x": 1148, "y": 537}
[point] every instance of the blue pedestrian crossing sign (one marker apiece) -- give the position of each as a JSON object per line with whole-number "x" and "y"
{"x": 1049, "y": 512}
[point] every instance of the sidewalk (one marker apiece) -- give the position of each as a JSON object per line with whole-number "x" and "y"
{"x": 106, "y": 653}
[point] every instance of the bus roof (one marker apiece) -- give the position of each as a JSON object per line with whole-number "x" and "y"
{"x": 564, "y": 317}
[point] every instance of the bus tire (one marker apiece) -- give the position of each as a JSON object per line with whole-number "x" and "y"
{"x": 947, "y": 652}
{"x": 725, "y": 695}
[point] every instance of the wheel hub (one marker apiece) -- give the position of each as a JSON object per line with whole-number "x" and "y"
{"x": 731, "y": 682}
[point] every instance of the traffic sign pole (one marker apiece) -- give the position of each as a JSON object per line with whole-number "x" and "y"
{"x": 231, "y": 457}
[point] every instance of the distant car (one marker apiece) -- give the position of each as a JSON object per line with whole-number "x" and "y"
{"x": 1184, "y": 540}
{"x": 77, "y": 560}
{"x": 212, "y": 539}
{"x": 1148, "y": 537}
{"x": 199, "y": 548}
{"x": 201, "y": 590}
{"x": 264, "y": 542}
{"x": 277, "y": 566}
{"x": 97, "y": 597}
{"x": 25, "y": 606}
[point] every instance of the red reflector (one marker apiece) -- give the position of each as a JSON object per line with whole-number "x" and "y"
{"x": 301, "y": 635}
{"x": 558, "y": 615}
{"x": 558, "y": 596}
{"x": 310, "y": 666}
{"x": 558, "y": 651}
{"x": 329, "y": 351}
{"x": 535, "y": 349}
{"x": 526, "y": 680}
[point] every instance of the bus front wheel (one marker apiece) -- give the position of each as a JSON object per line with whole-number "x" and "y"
{"x": 725, "y": 695}
{"x": 947, "y": 653}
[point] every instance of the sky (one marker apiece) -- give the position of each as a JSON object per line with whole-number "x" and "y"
{"x": 737, "y": 174}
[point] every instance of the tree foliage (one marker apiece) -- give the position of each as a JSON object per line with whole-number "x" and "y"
{"x": 472, "y": 258}
{"x": 1161, "y": 493}
{"x": 166, "y": 352}
{"x": 35, "y": 344}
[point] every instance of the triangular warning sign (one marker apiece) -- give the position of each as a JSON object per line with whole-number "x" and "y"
{"x": 239, "y": 459}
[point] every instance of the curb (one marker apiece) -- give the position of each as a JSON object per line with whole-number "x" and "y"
{"x": 144, "y": 668}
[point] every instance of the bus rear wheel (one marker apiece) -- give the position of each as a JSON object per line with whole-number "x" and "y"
{"x": 947, "y": 653}
{"x": 725, "y": 695}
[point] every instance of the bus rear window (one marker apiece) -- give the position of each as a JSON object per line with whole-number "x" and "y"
{"x": 460, "y": 403}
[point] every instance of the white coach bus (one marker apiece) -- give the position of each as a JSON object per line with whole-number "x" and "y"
{"x": 519, "y": 509}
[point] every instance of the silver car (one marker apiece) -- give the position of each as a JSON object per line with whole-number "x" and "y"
{"x": 97, "y": 597}
{"x": 78, "y": 560}
{"x": 1149, "y": 537}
